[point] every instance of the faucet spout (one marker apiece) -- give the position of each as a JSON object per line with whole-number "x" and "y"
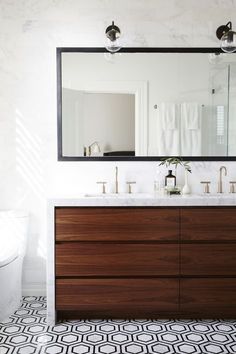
{"x": 116, "y": 184}
{"x": 220, "y": 184}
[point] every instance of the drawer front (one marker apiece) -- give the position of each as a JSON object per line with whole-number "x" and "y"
{"x": 217, "y": 296}
{"x": 116, "y": 224}
{"x": 102, "y": 259}
{"x": 208, "y": 259}
{"x": 104, "y": 297}
{"x": 213, "y": 224}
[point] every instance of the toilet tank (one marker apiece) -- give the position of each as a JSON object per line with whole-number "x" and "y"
{"x": 14, "y": 228}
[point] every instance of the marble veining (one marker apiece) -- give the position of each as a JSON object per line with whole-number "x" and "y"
{"x": 144, "y": 199}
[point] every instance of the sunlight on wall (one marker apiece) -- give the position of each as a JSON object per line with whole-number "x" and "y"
{"x": 29, "y": 169}
{"x": 28, "y": 158}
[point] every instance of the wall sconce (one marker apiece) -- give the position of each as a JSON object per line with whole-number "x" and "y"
{"x": 113, "y": 34}
{"x": 227, "y": 37}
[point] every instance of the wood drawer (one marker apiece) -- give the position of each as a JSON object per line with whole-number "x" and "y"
{"x": 100, "y": 298}
{"x": 208, "y": 296}
{"x": 208, "y": 259}
{"x": 208, "y": 224}
{"x": 115, "y": 259}
{"x": 118, "y": 224}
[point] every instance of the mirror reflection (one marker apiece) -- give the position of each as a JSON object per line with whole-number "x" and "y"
{"x": 148, "y": 104}
{"x": 104, "y": 127}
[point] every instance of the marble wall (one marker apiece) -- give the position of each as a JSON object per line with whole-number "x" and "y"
{"x": 30, "y": 32}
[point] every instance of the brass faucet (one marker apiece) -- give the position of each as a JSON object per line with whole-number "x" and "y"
{"x": 117, "y": 185}
{"x": 220, "y": 184}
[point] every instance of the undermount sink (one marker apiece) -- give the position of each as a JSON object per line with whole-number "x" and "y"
{"x": 119, "y": 195}
{"x": 219, "y": 195}
{"x": 150, "y": 195}
{"x": 211, "y": 196}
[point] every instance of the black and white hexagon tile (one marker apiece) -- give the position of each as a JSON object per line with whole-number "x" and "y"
{"x": 26, "y": 332}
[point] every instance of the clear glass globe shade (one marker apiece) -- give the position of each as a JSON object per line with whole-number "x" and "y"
{"x": 228, "y": 42}
{"x": 113, "y": 46}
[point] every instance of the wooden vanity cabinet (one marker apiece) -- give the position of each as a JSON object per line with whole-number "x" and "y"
{"x": 208, "y": 262}
{"x": 133, "y": 262}
{"x": 206, "y": 224}
{"x": 116, "y": 262}
{"x": 117, "y": 259}
{"x": 116, "y": 224}
{"x": 116, "y": 297}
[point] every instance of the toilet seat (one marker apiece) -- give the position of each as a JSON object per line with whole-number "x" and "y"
{"x": 8, "y": 253}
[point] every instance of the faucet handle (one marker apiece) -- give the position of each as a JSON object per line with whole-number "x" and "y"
{"x": 232, "y": 187}
{"x": 103, "y": 186}
{"x": 130, "y": 186}
{"x": 206, "y": 185}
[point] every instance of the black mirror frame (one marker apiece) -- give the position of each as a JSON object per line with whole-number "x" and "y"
{"x": 61, "y": 50}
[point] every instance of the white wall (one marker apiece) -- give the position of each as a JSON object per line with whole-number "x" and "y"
{"x": 113, "y": 124}
{"x": 30, "y": 32}
{"x": 72, "y": 123}
{"x": 106, "y": 118}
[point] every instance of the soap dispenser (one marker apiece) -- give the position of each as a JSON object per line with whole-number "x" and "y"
{"x": 170, "y": 180}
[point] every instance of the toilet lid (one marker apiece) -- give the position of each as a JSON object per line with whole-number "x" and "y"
{"x": 8, "y": 252}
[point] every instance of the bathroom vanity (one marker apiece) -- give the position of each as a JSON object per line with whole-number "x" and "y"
{"x": 142, "y": 257}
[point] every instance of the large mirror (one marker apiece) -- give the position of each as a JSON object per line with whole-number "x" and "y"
{"x": 144, "y": 104}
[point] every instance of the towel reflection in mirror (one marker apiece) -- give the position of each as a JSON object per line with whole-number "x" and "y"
{"x": 179, "y": 129}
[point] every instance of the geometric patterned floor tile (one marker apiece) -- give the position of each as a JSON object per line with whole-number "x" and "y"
{"x": 26, "y": 332}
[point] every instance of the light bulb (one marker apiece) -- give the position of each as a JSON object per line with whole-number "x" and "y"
{"x": 228, "y": 42}
{"x": 113, "y": 34}
{"x": 113, "y": 46}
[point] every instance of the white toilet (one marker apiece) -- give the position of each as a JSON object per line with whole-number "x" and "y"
{"x": 13, "y": 238}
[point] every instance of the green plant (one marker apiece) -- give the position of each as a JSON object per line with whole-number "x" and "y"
{"x": 176, "y": 161}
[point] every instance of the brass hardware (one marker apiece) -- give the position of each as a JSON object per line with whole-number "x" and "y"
{"x": 130, "y": 186}
{"x": 103, "y": 186}
{"x": 206, "y": 186}
{"x": 220, "y": 184}
{"x": 232, "y": 187}
{"x": 117, "y": 185}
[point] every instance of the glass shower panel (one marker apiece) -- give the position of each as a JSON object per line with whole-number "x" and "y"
{"x": 218, "y": 117}
{"x": 232, "y": 110}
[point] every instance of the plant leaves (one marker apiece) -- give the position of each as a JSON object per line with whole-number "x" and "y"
{"x": 176, "y": 161}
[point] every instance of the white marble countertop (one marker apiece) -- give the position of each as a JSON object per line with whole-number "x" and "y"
{"x": 143, "y": 199}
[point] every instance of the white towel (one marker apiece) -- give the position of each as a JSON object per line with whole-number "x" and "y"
{"x": 191, "y": 113}
{"x": 167, "y": 133}
{"x": 168, "y": 116}
{"x": 191, "y": 135}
